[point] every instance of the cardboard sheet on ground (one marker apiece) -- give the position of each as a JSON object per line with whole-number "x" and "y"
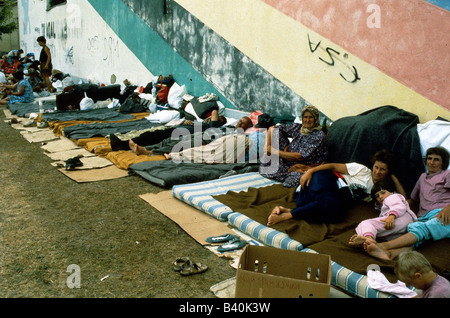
{"x": 196, "y": 223}
{"x": 7, "y": 112}
{"x": 61, "y": 144}
{"x": 92, "y": 175}
{"x": 39, "y": 135}
{"x": 67, "y": 154}
{"x": 88, "y": 163}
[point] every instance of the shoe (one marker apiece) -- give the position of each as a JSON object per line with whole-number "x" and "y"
{"x": 42, "y": 124}
{"x": 179, "y": 262}
{"x": 13, "y": 121}
{"x": 221, "y": 238}
{"x": 190, "y": 268}
{"x": 72, "y": 163}
{"x": 232, "y": 245}
{"x": 30, "y": 123}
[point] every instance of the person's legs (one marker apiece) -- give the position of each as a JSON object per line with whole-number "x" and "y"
{"x": 391, "y": 249}
{"x": 4, "y": 101}
{"x": 45, "y": 74}
{"x": 319, "y": 202}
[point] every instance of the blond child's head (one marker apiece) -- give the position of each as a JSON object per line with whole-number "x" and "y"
{"x": 411, "y": 267}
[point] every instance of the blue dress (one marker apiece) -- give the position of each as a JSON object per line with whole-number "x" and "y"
{"x": 26, "y": 97}
{"x": 313, "y": 148}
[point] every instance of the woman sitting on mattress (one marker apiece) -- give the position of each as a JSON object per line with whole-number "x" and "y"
{"x": 308, "y": 146}
{"x": 19, "y": 92}
{"x": 328, "y": 188}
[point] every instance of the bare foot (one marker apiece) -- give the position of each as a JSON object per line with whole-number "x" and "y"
{"x": 132, "y": 145}
{"x": 373, "y": 249}
{"x": 280, "y": 209}
{"x": 139, "y": 150}
{"x": 356, "y": 240}
{"x": 275, "y": 218}
{"x": 167, "y": 156}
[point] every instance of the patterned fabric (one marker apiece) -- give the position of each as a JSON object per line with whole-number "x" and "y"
{"x": 26, "y": 97}
{"x": 312, "y": 147}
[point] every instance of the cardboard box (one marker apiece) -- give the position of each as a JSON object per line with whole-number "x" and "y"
{"x": 267, "y": 272}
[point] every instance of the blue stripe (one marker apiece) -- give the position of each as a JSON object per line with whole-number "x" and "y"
{"x": 156, "y": 54}
{"x": 445, "y": 4}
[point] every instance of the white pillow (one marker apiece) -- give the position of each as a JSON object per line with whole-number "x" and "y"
{"x": 434, "y": 133}
{"x": 163, "y": 116}
{"x": 175, "y": 97}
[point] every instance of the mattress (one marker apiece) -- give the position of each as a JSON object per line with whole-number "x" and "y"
{"x": 199, "y": 195}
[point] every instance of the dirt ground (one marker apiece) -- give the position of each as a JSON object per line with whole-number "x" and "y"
{"x": 52, "y": 227}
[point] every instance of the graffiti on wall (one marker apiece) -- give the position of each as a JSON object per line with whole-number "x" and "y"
{"x": 105, "y": 47}
{"x": 69, "y": 55}
{"x": 332, "y": 57}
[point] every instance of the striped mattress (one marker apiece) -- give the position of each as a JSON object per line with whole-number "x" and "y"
{"x": 199, "y": 195}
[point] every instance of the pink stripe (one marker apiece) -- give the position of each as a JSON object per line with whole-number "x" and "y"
{"x": 410, "y": 46}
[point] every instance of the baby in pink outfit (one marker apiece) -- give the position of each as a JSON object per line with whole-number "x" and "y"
{"x": 395, "y": 215}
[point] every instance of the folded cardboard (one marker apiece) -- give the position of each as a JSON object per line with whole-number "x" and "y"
{"x": 267, "y": 272}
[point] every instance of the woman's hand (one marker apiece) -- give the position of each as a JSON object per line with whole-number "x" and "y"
{"x": 444, "y": 216}
{"x": 305, "y": 179}
{"x": 299, "y": 167}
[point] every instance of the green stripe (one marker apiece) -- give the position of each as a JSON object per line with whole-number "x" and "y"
{"x": 156, "y": 54}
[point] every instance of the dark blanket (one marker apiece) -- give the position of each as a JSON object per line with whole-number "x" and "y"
{"x": 80, "y": 131}
{"x": 356, "y": 138}
{"x": 330, "y": 239}
{"x": 24, "y": 109}
{"x": 100, "y": 114}
{"x": 167, "y": 173}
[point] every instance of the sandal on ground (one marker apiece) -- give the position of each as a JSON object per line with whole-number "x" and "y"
{"x": 179, "y": 262}
{"x": 193, "y": 268}
{"x": 72, "y": 163}
{"x": 232, "y": 245}
{"x": 13, "y": 121}
{"x": 222, "y": 238}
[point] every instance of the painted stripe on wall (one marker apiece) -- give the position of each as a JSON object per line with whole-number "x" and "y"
{"x": 242, "y": 81}
{"x": 445, "y": 4}
{"x": 151, "y": 49}
{"x": 410, "y": 44}
{"x": 283, "y": 47}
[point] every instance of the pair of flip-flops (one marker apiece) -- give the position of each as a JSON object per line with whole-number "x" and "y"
{"x": 186, "y": 267}
{"x": 232, "y": 242}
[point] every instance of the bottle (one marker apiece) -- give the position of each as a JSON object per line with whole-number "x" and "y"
{"x": 41, "y": 107}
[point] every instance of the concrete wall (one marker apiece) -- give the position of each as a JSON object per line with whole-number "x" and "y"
{"x": 345, "y": 57}
{"x": 81, "y": 42}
